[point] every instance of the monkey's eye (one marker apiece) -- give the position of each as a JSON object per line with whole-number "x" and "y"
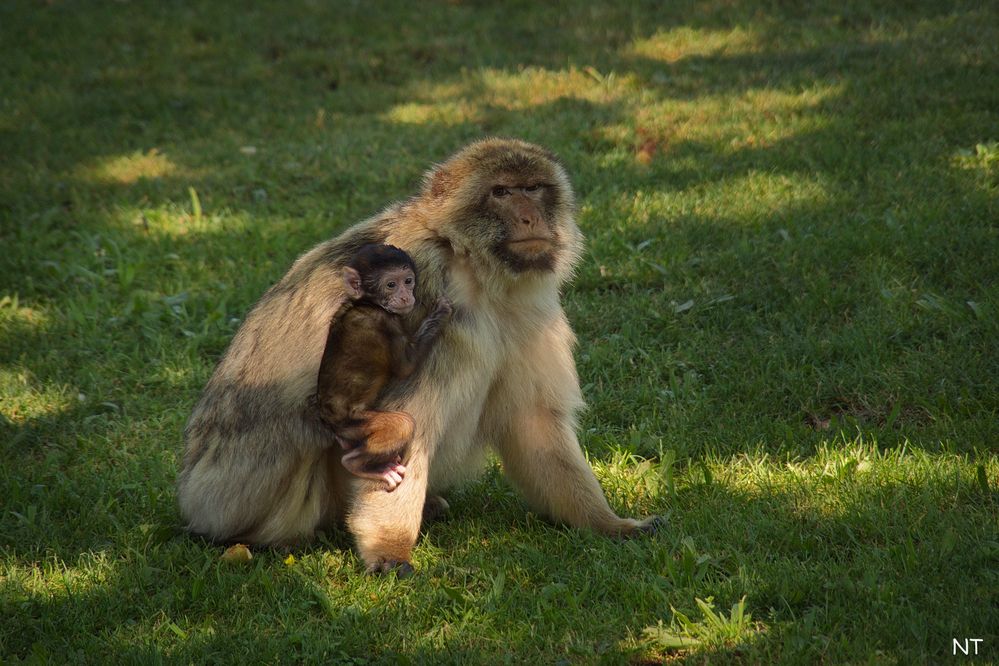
{"x": 500, "y": 191}
{"x": 533, "y": 188}
{"x": 409, "y": 280}
{"x": 391, "y": 285}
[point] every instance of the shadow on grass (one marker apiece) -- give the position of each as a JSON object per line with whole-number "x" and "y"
{"x": 888, "y": 545}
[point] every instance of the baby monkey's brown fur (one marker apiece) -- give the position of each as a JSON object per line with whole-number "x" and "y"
{"x": 367, "y": 349}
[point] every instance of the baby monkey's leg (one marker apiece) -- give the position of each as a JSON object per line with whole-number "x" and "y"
{"x": 376, "y": 442}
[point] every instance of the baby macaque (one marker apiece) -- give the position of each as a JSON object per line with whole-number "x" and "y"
{"x": 366, "y": 350}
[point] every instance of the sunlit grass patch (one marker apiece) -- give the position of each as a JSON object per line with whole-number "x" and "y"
{"x": 759, "y": 196}
{"x": 535, "y": 86}
{"x": 983, "y": 162}
{"x": 13, "y": 314}
{"x": 713, "y": 630}
{"x": 733, "y": 118}
{"x": 53, "y": 579}
{"x": 26, "y": 398}
{"x": 670, "y": 46}
{"x": 422, "y": 114}
{"x": 129, "y": 169}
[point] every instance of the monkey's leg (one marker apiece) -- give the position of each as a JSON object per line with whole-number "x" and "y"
{"x": 387, "y": 432}
{"x": 386, "y": 525}
{"x": 530, "y": 417}
{"x": 542, "y": 457}
{"x": 233, "y": 496}
{"x": 435, "y": 508}
{"x": 384, "y": 437}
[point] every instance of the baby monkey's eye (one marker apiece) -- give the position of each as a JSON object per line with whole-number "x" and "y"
{"x": 409, "y": 280}
{"x": 500, "y": 191}
{"x": 391, "y": 285}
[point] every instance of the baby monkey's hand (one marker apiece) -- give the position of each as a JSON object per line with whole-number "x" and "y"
{"x": 443, "y": 308}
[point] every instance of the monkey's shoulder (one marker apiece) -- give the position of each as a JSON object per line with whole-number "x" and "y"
{"x": 353, "y": 313}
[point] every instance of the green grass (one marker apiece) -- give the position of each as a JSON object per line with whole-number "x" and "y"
{"x": 788, "y": 319}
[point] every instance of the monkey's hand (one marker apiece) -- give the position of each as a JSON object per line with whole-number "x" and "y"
{"x": 443, "y": 308}
{"x": 419, "y": 346}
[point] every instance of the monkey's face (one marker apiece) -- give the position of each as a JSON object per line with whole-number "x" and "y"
{"x": 394, "y": 291}
{"x": 526, "y": 235}
{"x": 510, "y": 201}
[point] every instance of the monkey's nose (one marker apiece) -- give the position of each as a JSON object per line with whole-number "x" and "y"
{"x": 530, "y": 219}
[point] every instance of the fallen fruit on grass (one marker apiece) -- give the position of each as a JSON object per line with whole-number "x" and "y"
{"x": 237, "y": 553}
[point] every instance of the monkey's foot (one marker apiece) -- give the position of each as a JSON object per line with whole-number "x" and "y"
{"x": 650, "y": 526}
{"x": 393, "y": 474}
{"x": 402, "y": 569}
{"x": 434, "y": 508}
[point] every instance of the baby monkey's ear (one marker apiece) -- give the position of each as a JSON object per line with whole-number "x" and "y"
{"x": 352, "y": 283}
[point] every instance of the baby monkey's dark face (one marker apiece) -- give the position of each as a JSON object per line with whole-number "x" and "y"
{"x": 395, "y": 290}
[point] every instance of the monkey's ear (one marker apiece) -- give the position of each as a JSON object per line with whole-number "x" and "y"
{"x": 441, "y": 182}
{"x": 352, "y": 282}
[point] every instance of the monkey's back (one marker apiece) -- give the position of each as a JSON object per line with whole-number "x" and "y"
{"x": 357, "y": 361}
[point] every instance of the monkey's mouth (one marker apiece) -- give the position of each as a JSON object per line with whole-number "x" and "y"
{"x": 399, "y": 308}
{"x": 533, "y": 245}
{"x": 528, "y": 253}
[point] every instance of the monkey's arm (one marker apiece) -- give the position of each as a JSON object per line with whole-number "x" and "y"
{"x": 409, "y": 354}
{"x": 535, "y": 435}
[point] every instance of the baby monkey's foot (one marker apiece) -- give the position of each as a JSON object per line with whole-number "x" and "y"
{"x": 392, "y": 474}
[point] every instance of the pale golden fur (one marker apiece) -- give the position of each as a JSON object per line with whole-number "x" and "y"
{"x": 259, "y": 468}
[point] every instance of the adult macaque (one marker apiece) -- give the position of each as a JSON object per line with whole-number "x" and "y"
{"x": 492, "y": 229}
{"x": 366, "y": 349}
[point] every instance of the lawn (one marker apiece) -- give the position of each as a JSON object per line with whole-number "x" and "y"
{"x": 788, "y": 321}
